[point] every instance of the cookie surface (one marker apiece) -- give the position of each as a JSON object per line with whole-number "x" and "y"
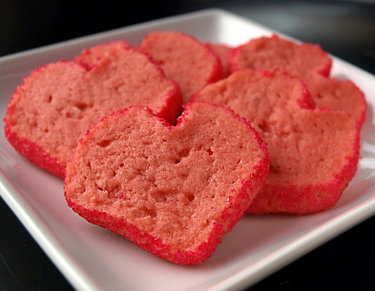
{"x": 183, "y": 59}
{"x": 172, "y": 190}
{"x": 313, "y": 153}
{"x": 57, "y": 103}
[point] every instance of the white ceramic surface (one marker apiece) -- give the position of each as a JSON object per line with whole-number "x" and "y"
{"x": 92, "y": 258}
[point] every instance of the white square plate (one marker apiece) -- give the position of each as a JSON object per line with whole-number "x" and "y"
{"x": 93, "y": 258}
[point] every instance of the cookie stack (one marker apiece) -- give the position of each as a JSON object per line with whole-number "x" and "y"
{"x": 169, "y": 144}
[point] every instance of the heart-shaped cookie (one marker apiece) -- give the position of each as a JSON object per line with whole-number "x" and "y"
{"x": 59, "y": 102}
{"x": 313, "y": 152}
{"x": 309, "y": 63}
{"x": 183, "y": 59}
{"x": 172, "y": 190}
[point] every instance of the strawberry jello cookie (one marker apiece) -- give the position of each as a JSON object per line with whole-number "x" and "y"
{"x": 59, "y": 102}
{"x": 183, "y": 59}
{"x": 313, "y": 152}
{"x": 175, "y": 191}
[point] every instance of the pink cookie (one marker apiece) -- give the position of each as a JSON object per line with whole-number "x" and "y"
{"x": 183, "y": 59}
{"x": 175, "y": 191}
{"x": 59, "y": 102}
{"x": 313, "y": 153}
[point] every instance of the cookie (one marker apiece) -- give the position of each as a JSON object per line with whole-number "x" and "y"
{"x": 59, "y": 102}
{"x": 313, "y": 152}
{"x": 175, "y": 191}
{"x": 183, "y": 59}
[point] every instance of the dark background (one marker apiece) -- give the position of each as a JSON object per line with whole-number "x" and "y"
{"x": 343, "y": 28}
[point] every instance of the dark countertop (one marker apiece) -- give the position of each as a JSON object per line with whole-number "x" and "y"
{"x": 344, "y": 28}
